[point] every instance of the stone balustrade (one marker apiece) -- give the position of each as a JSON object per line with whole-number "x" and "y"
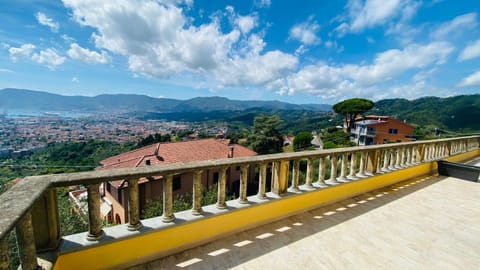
{"x": 30, "y": 207}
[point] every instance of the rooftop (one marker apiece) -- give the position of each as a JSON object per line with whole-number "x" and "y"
{"x": 175, "y": 152}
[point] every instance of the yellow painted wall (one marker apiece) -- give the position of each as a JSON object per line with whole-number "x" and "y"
{"x": 153, "y": 245}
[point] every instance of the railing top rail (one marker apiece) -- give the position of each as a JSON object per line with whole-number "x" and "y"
{"x": 16, "y": 201}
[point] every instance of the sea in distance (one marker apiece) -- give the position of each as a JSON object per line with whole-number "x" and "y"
{"x": 18, "y": 113}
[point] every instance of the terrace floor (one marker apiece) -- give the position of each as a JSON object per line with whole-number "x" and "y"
{"x": 429, "y": 223}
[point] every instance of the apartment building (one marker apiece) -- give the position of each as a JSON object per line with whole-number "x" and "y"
{"x": 374, "y": 129}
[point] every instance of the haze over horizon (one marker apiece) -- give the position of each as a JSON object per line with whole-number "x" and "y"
{"x": 247, "y": 50}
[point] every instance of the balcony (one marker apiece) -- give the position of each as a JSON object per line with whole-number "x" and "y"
{"x": 355, "y": 175}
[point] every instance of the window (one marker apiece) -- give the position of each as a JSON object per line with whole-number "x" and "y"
{"x": 393, "y": 131}
{"x": 177, "y": 182}
{"x": 109, "y": 186}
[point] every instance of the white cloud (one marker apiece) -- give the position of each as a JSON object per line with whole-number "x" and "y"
{"x": 305, "y": 32}
{"x": 470, "y": 52}
{"x": 246, "y": 23}
{"x": 85, "y": 55}
{"x": 44, "y": 20}
{"x": 342, "y": 81}
{"x": 6, "y": 70}
{"x": 262, "y": 3}
{"x": 159, "y": 41}
{"x": 22, "y": 52}
{"x": 68, "y": 39}
{"x": 372, "y": 13}
{"x": 459, "y": 24}
{"x": 75, "y": 80}
{"x": 471, "y": 80}
{"x": 48, "y": 57}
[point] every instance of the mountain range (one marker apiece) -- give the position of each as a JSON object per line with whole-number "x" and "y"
{"x": 22, "y": 99}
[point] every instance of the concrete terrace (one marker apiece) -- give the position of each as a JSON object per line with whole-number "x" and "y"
{"x": 425, "y": 223}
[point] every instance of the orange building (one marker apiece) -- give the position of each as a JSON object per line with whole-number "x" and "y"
{"x": 374, "y": 129}
{"x": 116, "y": 192}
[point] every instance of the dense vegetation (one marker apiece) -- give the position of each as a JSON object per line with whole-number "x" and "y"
{"x": 458, "y": 113}
{"x": 265, "y": 137}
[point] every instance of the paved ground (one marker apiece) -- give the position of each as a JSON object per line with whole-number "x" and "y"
{"x": 431, "y": 223}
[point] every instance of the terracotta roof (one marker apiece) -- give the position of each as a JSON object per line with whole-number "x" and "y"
{"x": 176, "y": 152}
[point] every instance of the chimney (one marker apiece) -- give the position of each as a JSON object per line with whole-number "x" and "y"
{"x": 156, "y": 150}
{"x": 230, "y": 151}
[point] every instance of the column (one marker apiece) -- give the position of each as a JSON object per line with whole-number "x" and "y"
{"x": 95, "y": 231}
{"x": 276, "y": 177}
{"x": 321, "y": 171}
{"x": 168, "y": 215}
{"x": 295, "y": 175}
{"x": 408, "y": 160}
{"x": 26, "y": 242}
{"x": 221, "y": 189}
{"x": 386, "y": 155}
{"x": 343, "y": 169}
{"x": 309, "y": 176}
{"x": 262, "y": 181}
{"x": 353, "y": 166}
{"x": 242, "y": 198}
{"x": 45, "y": 220}
{"x": 392, "y": 160}
{"x": 398, "y": 158}
{"x": 133, "y": 206}
{"x": 197, "y": 193}
{"x": 333, "y": 168}
{"x": 361, "y": 172}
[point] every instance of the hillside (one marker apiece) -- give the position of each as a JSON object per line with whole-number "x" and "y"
{"x": 21, "y": 99}
{"x": 458, "y": 113}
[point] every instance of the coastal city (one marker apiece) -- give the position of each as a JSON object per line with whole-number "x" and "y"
{"x": 19, "y": 136}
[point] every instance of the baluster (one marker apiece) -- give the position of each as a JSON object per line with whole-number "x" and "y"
{"x": 242, "y": 198}
{"x": 262, "y": 181}
{"x": 408, "y": 161}
{"x": 95, "y": 231}
{"x": 295, "y": 176}
{"x": 309, "y": 176}
{"x": 333, "y": 168}
{"x": 321, "y": 171}
{"x": 353, "y": 166}
{"x": 197, "y": 193}
{"x": 221, "y": 204}
{"x": 133, "y": 206}
{"x": 391, "y": 167}
{"x": 386, "y": 155}
{"x": 4, "y": 259}
{"x": 361, "y": 167}
{"x": 26, "y": 242}
{"x": 168, "y": 215}
{"x": 398, "y": 158}
{"x": 343, "y": 169}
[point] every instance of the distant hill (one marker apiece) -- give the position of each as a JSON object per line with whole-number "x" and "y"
{"x": 21, "y": 99}
{"x": 459, "y": 113}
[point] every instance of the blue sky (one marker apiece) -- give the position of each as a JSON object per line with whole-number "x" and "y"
{"x": 294, "y": 51}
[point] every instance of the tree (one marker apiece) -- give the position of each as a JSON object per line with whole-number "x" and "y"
{"x": 350, "y": 108}
{"x": 302, "y": 141}
{"x": 265, "y": 137}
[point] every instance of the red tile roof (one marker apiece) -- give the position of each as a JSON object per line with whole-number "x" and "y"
{"x": 176, "y": 152}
